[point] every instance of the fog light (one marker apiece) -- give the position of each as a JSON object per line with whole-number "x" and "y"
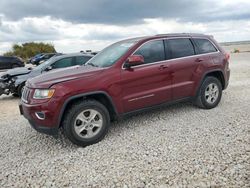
{"x": 40, "y": 115}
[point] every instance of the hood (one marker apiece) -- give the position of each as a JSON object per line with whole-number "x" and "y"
{"x": 48, "y": 79}
{"x": 18, "y": 71}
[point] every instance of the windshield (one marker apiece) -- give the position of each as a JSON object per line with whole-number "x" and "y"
{"x": 111, "y": 54}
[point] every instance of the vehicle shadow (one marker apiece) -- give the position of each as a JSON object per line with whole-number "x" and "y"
{"x": 162, "y": 113}
{"x": 118, "y": 127}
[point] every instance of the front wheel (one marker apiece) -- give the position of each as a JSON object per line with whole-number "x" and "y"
{"x": 209, "y": 94}
{"x": 86, "y": 122}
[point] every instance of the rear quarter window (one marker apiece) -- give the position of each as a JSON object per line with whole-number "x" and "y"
{"x": 204, "y": 46}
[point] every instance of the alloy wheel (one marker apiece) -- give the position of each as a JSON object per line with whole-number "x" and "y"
{"x": 88, "y": 123}
{"x": 211, "y": 93}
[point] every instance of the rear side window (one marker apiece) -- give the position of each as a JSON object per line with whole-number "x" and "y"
{"x": 180, "y": 47}
{"x": 205, "y": 46}
{"x": 81, "y": 60}
{"x": 152, "y": 51}
{"x": 66, "y": 62}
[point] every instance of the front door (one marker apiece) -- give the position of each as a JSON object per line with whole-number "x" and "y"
{"x": 147, "y": 84}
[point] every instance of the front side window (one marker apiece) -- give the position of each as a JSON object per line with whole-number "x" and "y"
{"x": 205, "y": 46}
{"x": 180, "y": 47}
{"x": 152, "y": 51}
{"x": 65, "y": 62}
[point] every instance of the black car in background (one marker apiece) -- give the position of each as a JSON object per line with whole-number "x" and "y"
{"x": 14, "y": 80}
{"x": 37, "y": 59}
{"x": 10, "y": 62}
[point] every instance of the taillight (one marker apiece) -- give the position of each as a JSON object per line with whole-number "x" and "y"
{"x": 227, "y": 56}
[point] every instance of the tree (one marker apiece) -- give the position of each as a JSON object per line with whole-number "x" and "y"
{"x": 28, "y": 50}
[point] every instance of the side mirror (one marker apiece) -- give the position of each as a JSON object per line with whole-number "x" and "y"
{"x": 134, "y": 60}
{"x": 48, "y": 68}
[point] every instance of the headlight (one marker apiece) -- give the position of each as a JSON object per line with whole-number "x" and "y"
{"x": 43, "y": 93}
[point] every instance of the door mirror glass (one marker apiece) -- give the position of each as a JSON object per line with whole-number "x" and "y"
{"x": 134, "y": 60}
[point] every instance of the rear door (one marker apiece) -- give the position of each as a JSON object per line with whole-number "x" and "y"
{"x": 148, "y": 84}
{"x": 184, "y": 66}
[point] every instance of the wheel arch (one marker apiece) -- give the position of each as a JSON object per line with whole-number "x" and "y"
{"x": 218, "y": 73}
{"x": 99, "y": 96}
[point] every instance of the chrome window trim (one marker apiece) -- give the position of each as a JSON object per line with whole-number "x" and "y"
{"x": 167, "y": 38}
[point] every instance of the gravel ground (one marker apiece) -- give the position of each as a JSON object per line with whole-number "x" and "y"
{"x": 175, "y": 146}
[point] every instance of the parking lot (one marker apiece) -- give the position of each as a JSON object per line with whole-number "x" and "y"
{"x": 177, "y": 145}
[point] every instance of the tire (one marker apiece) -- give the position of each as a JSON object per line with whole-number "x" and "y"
{"x": 20, "y": 90}
{"x": 80, "y": 128}
{"x": 209, "y": 94}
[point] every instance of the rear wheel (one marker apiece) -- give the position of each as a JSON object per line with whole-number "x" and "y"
{"x": 86, "y": 122}
{"x": 209, "y": 94}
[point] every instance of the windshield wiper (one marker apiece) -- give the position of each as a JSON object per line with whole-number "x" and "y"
{"x": 92, "y": 64}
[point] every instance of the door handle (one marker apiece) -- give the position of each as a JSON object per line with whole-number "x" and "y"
{"x": 162, "y": 67}
{"x": 199, "y": 60}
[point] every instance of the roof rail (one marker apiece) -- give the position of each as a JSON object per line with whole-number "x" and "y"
{"x": 171, "y": 34}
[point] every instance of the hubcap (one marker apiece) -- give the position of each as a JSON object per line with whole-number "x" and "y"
{"x": 88, "y": 123}
{"x": 211, "y": 93}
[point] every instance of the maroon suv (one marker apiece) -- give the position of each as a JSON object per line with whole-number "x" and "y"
{"x": 128, "y": 76}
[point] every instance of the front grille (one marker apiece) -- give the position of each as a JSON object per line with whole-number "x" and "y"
{"x": 25, "y": 94}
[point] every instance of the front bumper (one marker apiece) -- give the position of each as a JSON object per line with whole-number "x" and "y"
{"x": 42, "y": 126}
{"x": 7, "y": 87}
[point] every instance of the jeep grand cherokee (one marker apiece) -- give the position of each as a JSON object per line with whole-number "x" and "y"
{"x": 126, "y": 77}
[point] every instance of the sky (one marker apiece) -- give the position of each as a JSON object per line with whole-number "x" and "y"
{"x": 75, "y": 25}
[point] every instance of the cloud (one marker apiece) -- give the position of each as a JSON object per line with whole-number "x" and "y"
{"x": 126, "y": 12}
{"x": 28, "y": 29}
{"x": 73, "y": 37}
{"x": 93, "y": 24}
